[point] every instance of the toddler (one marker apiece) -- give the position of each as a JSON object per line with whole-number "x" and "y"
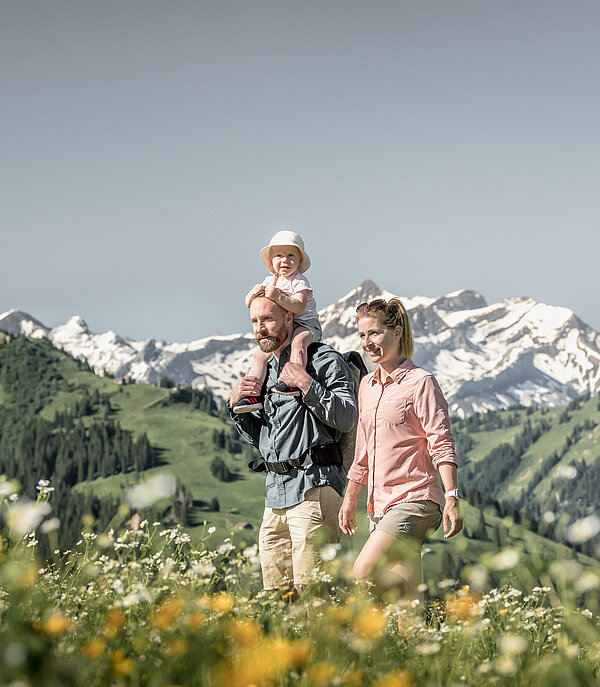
{"x": 286, "y": 258}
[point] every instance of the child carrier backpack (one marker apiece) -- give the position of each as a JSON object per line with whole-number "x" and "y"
{"x": 347, "y": 441}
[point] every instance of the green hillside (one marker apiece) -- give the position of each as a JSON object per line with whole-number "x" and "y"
{"x": 39, "y": 384}
{"x": 49, "y": 399}
{"x": 543, "y": 465}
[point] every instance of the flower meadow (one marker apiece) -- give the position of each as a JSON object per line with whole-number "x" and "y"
{"x": 140, "y": 604}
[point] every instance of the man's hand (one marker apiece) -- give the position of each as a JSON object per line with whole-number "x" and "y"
{"x": 452, "y": 518}
{"x": 347, "y": 516}
{"x": 246, "y": 386}
{"x": 293, "y": 374}
{"x": 256, "y": 290}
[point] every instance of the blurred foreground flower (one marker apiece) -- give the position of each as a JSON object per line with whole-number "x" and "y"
{"x": 371, "y": 622}
{"x": 7, "y": 488}
{"x": 464, "y": 605}
{"x": 397, "y": 678}
{"x": 164, "y": 616}
{"x": 56, "y": 624}
{"x": 94, "y": 648}
{"x": 244, "y": 631}
{"x": 263, "y": 662}
{"x": 582, "y": 530}
{"x": 505, "y": 560}
{"x": 513, "y": 644}
{"x": 24, "y": 516}
{"x": 329, "y": 552}
{"x": 121, "y": 664}
{"x": 156, "y": 488}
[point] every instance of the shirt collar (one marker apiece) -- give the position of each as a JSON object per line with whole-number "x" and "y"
{"x": 397, "y": 374}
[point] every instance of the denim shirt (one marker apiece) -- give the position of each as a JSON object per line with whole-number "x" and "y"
{"x": 288, "y": 426}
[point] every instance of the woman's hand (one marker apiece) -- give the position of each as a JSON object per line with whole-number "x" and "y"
{"x": 452, "y": 518}
{"x": 347, "y": 516}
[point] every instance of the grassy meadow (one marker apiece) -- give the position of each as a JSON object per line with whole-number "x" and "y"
{"x": 146, "y": 602}
{"x": 140, "y": 604}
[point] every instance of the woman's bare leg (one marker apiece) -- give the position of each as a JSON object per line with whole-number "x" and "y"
{"x": 393, "y": 565}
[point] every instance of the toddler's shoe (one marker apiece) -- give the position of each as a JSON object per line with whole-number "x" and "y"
{"x": 248, "y": 405}
{"x": 282, "y": 388}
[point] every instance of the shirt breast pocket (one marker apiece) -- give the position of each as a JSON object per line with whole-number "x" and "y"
{"x": 402, "y": 412}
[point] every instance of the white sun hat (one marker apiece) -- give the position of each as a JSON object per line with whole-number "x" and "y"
{"x": 285, "y": 238}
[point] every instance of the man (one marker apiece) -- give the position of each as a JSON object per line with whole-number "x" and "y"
{"x": 296, "y": 437}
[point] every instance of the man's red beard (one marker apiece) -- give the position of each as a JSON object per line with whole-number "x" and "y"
{"x": 268, "y": 344}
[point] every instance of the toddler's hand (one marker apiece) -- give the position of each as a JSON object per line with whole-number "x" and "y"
{"x": 272, "y": 293}
{"x": 257, "y": 289}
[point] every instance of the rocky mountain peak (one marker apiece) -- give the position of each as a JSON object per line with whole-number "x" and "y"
{"x": 461, "y": 300}
{"x": 17, "y": 323}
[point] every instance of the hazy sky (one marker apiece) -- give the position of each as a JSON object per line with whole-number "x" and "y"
{"x": 151, "y": 148}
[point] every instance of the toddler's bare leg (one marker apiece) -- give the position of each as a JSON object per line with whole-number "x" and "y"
{"x": 301, "y": 340}
{"x": 258, "y": 368}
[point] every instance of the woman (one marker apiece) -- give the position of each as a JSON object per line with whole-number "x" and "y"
{"x": 403, "y": 443}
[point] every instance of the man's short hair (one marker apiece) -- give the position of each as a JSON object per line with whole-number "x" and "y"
{"x": 262, "y": 295}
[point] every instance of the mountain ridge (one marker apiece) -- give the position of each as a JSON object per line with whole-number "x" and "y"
{"x": 485, "y": 356}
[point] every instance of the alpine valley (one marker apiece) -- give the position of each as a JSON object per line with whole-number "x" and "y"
{"x": 486, "y": 357}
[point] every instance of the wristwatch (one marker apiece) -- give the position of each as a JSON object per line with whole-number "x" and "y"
{"x": 457, "y": 493}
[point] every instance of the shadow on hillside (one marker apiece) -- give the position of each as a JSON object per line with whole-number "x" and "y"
{"x": 159, "y": 453}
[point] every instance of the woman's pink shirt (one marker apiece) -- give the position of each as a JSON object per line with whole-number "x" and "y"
{"x": 403, "y": 435}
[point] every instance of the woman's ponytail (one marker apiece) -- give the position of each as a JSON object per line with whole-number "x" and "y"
{"x": 406, "y": 341}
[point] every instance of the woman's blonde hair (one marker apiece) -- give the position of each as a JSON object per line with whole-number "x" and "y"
{"x": 391, "y": 314}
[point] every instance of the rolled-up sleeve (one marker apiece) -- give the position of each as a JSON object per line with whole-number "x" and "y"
{"x": 432, "y": 410}
{"x": 359, "y": 470}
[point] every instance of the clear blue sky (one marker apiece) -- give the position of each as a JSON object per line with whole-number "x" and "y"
{"x": 151, "y": 148}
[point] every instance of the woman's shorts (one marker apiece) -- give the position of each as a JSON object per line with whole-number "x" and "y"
{"x": 313, "y": 325}
{"x": 415, "y": 519}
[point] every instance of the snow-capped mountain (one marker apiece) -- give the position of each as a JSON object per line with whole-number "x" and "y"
{"x": 484, "y": 356}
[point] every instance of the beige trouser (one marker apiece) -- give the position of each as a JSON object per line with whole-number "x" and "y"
{"x": 290, "y": 538}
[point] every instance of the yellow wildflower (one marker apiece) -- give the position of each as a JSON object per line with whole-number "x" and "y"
{"x": 263, "y": 662}
{"x": 121, "y": 664}
{"x": 223, "y": 602}
{"x": 244, "y": 631}
{"x": 113, "y": 622}
{"x": 339, "y": 615}
{"x": 56, "y": 624}
{"x": 165, "y": 614}
{"x": 370, "y": 622}
{"x": 94, "y": 648}
{"x": 28, "y": 577}
{"x": 178, "y": 647}
{"x": 195, "y": 619}
{"x": 242, "y": 672}
{"x": 320, "y": 674}
{"x": 397, "y": 678}
{"x": 204, "y": 601}
{"x": 463, "y": 606}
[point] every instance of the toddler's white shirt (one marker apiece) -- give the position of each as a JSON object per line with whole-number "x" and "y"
{"x": 293, "y": 287}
